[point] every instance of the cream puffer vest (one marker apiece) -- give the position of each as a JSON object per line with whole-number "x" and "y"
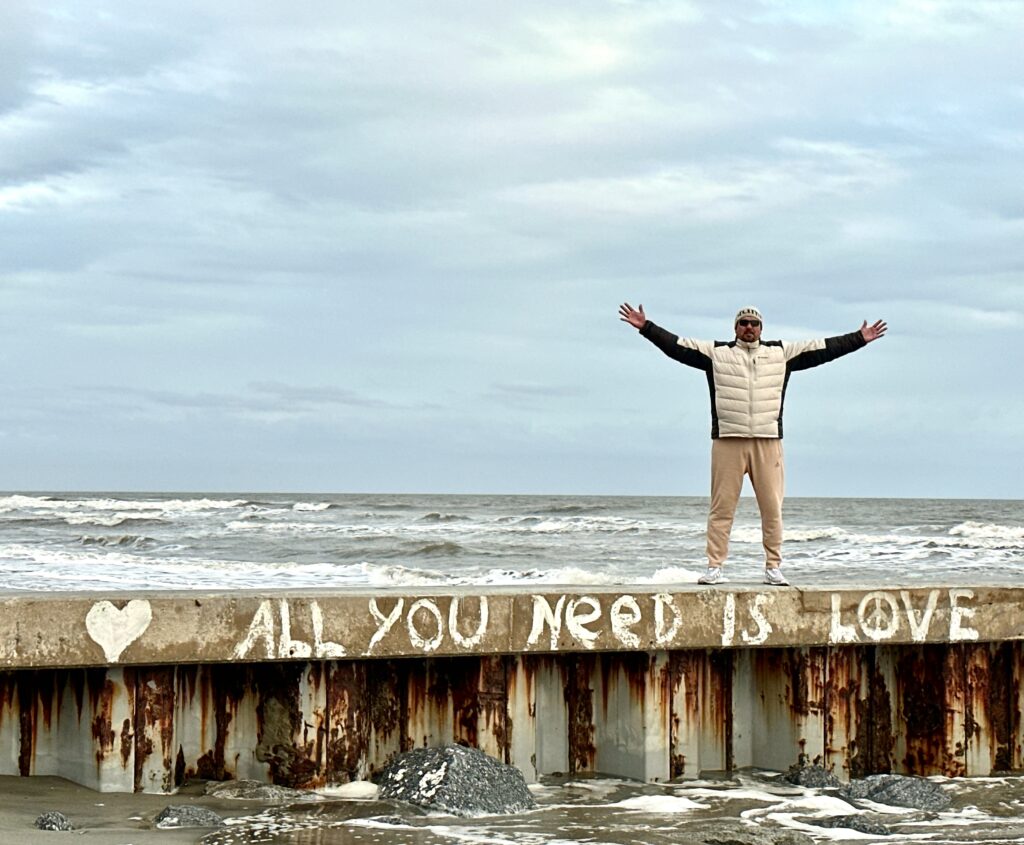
{"x": 748, "y": 380}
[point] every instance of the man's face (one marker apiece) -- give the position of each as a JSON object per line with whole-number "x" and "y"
{"x": 748, "y": 329}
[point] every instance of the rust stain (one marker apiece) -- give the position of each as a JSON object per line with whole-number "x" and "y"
{"x": 155, "y": 706}
{"x": 842, "y": 688}
{"x": 348, "y": 721}
{"x": 577, "y": 671}
{"x": 279, "y": 721}
{"x": 8, "y": 694}
{"x": 415, "y": 705}
{"x": 102, "y": 701}
{"x": 948, "y": 708}
{"x": 874, "y": 745}
{"x": 637, "y": 667}
{"x": 493, "y": 716}
{"x": 685, "y": 669}
{"x": 462, "y": 680}
{"x": 179, "y": 767}
{"x": 387, "y": 706}
{"x": 126, "y": 742}
{"x": 76, "y": 680}
{"x": 27, "y": 726}
{"x": 188, "y": 681}
{"x": 991, "y": 709}
{"x": 720, "y": 683}
{"x": 47, "y": 692}
{"x": 222, "y": 688}
{"x": 927, "y": 683}
{"x": 1002, "y": 702}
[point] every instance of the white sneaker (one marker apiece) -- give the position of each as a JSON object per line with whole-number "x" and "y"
{"x": 775, "y": 577}
{"x": 712, "y": 576}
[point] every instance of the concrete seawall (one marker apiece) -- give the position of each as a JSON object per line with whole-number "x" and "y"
{"x": 139, "y": 692}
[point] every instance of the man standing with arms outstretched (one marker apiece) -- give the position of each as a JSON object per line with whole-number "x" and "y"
{"x": 747, "y": 378}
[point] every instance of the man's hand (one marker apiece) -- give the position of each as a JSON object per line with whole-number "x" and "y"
{"x": 873, "y": 332}
{"x": 635, "y": 317}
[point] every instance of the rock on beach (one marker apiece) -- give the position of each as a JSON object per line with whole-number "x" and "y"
{"x": 456, "y": 780}
{"x": 899, "y": 791}
{"x": 53, "y": 821}
{"x": 812, "y": 777}
{"x": 186, "y": 815}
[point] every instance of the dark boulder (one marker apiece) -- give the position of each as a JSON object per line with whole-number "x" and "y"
{"x": 53, "y": 821}
{"x": 254, "y": 790}
{"x": 899, "y": 791}
{"x": 812, "y": 777}
{"x": 187, "y": 815}
{"x": 456, "y": 780}
{"x": 854, "y": 822}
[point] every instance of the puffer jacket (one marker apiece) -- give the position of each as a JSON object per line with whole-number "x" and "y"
{"x": 748, "y": 380}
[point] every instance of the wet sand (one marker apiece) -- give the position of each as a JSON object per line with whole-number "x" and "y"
{"x": 103, "y": 818}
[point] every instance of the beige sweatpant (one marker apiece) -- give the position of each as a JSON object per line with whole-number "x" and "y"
{"x": 731, "y": 459}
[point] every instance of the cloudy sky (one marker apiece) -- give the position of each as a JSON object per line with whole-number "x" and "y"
{"x": 379, "y": 247}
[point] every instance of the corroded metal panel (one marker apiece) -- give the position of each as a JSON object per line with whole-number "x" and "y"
{"x": 657, "y": 711}
{"x": 1017, "y": 705}
{"x": 521, "y": 709}
{"x": 686, "y": 672}
{"x": 290, "y": 707}
{"x": 631, "y": 719}
{"x": 348, "y": 719}
{"x": 488, "y": 708}
{"x": 429, "y": 719}
{"x": 217, "y": 729}
{"x": 991, "y": 718}
{"x": 578, "y": 672}
{"x": 93, "y": 729}
{"x": 10, "y": 723}
{"x": 922, "y": 708}
{"x": 930, "y": 700}
{"x": 744, "y": 709}
{"x": 387, "y": 689}
{"x": 859, "y": 738}
{"x": 716, "y": 713}
{"x": 309, "y": 736}
{"x": 41, "y": 717}
{"x": 788, "y": 696}
{"x": 155, "y": 746}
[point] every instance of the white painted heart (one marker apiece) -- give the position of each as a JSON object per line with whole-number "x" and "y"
{"x": 114, "y": 630}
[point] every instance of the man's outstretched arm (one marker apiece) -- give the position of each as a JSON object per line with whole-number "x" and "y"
{"x": 803, "y": 356}
{"x": 689, "y": 352}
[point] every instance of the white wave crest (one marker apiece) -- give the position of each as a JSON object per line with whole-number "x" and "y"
{"x": 19, "y": 502}
{"x": 983, "y": 531}
{"x": 311, "y": 507}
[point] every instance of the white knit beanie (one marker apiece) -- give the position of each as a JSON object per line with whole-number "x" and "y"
{"x": 750, "y": 312}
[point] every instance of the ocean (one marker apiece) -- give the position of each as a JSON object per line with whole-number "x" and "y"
{"x": 204, "y": 541}
{"x": 111, "y": 542}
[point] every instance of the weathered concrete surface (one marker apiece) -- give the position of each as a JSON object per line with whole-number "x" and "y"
{"x": 855, "y": 710}
{"x": 143, "y": 693}
{"x": 171, "y": 628}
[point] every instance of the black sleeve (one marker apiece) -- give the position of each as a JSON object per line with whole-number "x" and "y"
{"x": 669, "y": 344}
{"x": 835, "y": 347}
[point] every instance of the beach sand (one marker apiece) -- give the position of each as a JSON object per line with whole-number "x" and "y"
{"x": 102, "y": 818}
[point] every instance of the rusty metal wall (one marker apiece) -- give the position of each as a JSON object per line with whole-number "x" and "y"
{"x": 919, "y": 709}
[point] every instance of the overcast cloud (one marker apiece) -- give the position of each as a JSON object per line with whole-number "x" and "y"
{"x": 351, "y": 247}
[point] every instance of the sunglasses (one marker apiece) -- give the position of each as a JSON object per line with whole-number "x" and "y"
{"x": 745, "y": 323}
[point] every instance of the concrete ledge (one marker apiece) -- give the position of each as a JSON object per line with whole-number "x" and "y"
{"x": 82, "y": 630}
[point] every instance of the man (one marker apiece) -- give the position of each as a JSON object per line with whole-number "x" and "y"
{"x": 747, "y": 378}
